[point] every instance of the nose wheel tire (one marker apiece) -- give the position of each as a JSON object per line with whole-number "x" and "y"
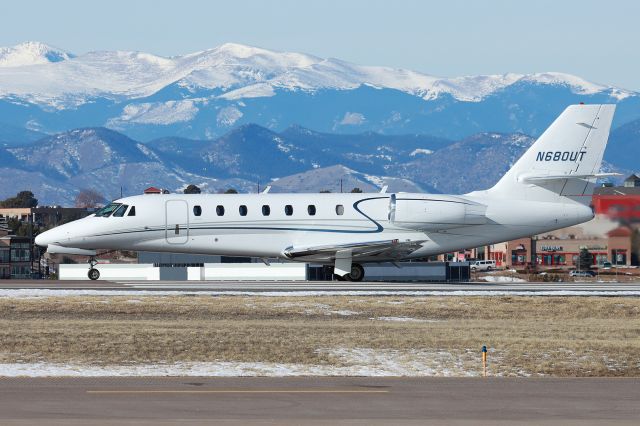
{"x": 93, "y": 274}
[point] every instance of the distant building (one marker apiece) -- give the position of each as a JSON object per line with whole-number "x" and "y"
{"x": 632, "y": 181}
{"x": 619, "y": 202}
{"x": 153, "y": 190}
{"x": 15, "y": 259}
{"x": 613, "y": 235}
{"x": 45, "y": 216}
{"x": 561, "y": 248}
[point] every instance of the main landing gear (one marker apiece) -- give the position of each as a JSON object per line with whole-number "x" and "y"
{"x": 356, "y": 274}
{"x": 93, "y": 274}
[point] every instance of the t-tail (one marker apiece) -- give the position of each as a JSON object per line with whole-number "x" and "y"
{"x": 564, "y": 163}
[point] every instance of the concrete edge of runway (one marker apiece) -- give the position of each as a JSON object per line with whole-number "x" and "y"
{"x": 313, "y": 288}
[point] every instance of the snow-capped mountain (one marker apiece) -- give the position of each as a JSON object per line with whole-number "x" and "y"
{"x": 31, "y": 53}
{"x": 202, "y": 95}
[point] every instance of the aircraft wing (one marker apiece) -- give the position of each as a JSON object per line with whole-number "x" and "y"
{"x": 386, "y": 249}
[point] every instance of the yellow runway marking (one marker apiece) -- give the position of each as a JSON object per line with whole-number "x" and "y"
{"x": 232, "y": 391}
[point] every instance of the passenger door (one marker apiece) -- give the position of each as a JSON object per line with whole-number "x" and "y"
{"x": 177, "y": 221}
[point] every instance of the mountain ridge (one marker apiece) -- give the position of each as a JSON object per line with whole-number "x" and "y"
{"x": 56, "y": 167}
{"x": 202, "y": 95}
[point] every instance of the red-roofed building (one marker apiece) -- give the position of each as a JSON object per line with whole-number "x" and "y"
{"x": 153, "y": 190}
{"x": 619, "y": 202}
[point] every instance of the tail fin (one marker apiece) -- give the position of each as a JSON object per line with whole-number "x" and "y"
{"x": 564, "y": 162}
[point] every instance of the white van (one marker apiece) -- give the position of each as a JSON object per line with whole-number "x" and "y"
{"x": 483, "y": 265}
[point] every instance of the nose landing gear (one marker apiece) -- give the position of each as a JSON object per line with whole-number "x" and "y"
{"x": 93, "y": 273}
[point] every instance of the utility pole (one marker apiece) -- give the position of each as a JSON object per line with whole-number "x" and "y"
{"x": 341, "y": 186}
{"x": 30, "y": 221}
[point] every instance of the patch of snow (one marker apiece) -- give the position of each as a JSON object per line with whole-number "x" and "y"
{"x": 413, "y": 362}
{"x": 282, "y": 146}
{"x": 355, "y": 362}
{"x": 502, "y": 279}
{"x": 315, "y": 308}
{"x": 228, "y": 115}
{"x": 420, "y": 151}
{"x": 168, "y": 112}
{"x": 352, "y": 119}
{"x": 260, "y": 90}
{"x": 376, "y": 180}
{"x": 404, "y": 319}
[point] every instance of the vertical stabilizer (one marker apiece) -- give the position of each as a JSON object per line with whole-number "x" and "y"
{"x": 564, "y": 162}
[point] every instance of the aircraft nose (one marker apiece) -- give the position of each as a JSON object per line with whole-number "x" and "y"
{"x": 43, "y": 239}
{"x": 52, "y": 236}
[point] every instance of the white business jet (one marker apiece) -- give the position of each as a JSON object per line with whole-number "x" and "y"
{"x": 548, "y": 188}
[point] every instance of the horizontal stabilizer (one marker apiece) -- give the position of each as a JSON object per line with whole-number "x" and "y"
{"x": 546, "y": 178}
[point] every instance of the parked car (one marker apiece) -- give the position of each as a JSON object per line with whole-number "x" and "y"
{"x": 606, "y": 265}
{"x": 483, "y": 265}
{"x": 582, "y": 274}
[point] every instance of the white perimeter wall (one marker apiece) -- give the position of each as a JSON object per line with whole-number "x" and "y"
{"x": 210, "y": 272}
{"x": 110, "y": 271}
{"x": 249, "y": 271}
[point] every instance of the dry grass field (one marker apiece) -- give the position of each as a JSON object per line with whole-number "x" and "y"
{"x": 558, "y": 336}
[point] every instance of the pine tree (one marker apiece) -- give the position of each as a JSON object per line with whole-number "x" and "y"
{"x": 192, "y": 189}
{"x": 585, "y": 259}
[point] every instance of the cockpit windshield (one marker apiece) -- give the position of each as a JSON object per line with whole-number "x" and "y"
{"x": 107, "y": 210}
{"x": 120, "y": 211}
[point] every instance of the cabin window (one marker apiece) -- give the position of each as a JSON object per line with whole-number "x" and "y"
{"x": 288, "y": 209}
{"x": 120, "y": 211}
{"x": 197, "y": 210}
{"x": 132, "y": 211}
{"x": 243, "y": 210}
{"x": 311, "y": 209}
{"x": 266, "y": 210}
{"x": 220, "y": 210}
{"x": 339, "y": 209}
{"x": 107, "y": 210}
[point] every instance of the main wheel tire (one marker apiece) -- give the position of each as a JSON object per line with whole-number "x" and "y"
{"x": 489, "y": 268}
{"x": 357, "y": 273}
{"x": 93, "y": 274}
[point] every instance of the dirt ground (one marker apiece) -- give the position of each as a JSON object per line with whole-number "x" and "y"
{"x": 557, "y": 336}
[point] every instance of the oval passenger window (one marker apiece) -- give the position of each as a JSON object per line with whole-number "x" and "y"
{"x": 197, "y": 210}
{"x": 243, "y": 210}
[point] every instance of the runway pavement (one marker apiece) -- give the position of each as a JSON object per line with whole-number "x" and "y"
{"x": 288, "y": 401}
{"x": 334, "y": 287}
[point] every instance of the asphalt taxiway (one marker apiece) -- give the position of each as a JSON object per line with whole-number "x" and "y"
{"x": 304, "y": 400}
{"x": 334, "y": 287}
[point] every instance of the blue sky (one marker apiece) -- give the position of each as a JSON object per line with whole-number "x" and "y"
{"x": 598, "y": 40}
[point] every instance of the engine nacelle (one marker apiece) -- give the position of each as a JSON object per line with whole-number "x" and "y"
{"x": 435, "y": 213}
